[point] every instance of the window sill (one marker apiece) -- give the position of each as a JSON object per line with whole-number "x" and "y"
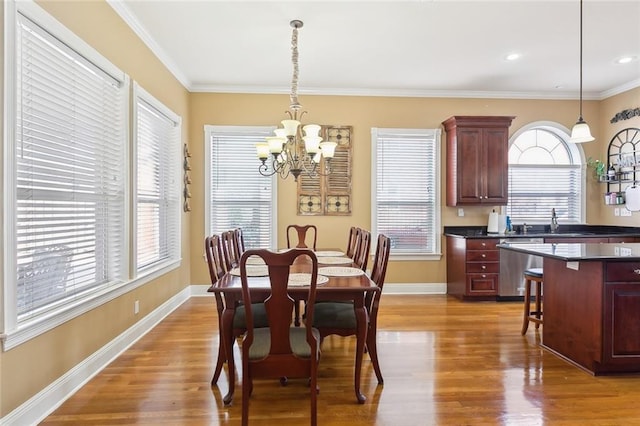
{"x": 32, "y": 328}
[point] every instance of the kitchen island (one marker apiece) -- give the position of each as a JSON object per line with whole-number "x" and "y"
{"x": 591, "y": 303}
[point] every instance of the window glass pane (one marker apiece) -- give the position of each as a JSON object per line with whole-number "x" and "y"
{"x": 239, "y": 196}
{"x": 158, "y": 174}
{"x": 405, "y": 201}
{"x": 70, "y": 148}
{"x": 542, "y": 176}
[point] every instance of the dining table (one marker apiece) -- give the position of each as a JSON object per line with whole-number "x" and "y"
{"x": 343, "y": 282}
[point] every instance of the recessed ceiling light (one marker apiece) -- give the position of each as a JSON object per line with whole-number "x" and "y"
{"x": 513, "y": 56}
{"x": 625, "y": 59}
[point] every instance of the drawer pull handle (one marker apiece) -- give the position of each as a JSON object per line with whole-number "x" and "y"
{"x": 484, "y": 255}
{"x": 484, "y": 267}
{"x": 636, "y": 271}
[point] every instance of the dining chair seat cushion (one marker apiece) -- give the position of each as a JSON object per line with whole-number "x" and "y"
{"x": 259, "y": 316}
{"x": 334, "y": 315}
{"x": 297, "y": 337}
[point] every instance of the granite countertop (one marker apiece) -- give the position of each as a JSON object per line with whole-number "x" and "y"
{"x": 543, "y": 231}
{"x": 578, "y": 251}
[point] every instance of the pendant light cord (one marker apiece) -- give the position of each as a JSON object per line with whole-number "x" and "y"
{"x": 580, "y": 60}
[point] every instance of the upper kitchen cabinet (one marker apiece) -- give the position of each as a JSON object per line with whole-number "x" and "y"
{"x": 477, "y": 160}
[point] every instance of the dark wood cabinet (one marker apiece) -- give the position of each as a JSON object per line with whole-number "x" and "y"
{"x": 477, "y": 160}
{"x": 473, "y": 267}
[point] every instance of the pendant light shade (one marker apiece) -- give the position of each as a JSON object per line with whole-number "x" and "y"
{"x": 581, "y": 132}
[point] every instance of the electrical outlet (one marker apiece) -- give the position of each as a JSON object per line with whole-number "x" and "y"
{"x": 616, "y": 211}
{"x": 460, "y": 212}
{"x": 136, "y": 307}
{"x": 625, "y": 212}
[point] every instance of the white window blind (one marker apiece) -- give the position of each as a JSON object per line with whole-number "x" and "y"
{"x": 158, "y": 196}
{"x": 70, "y": 151}
{"x": 405, "y": 188}
{"x": 544, "y": 173}
{"x": 238, "y": 195}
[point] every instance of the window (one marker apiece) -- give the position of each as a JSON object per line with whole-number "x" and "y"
{"x": 64, "y": 159}
{"x": 545, "y": 172}
{"x": 158, "y": 167}
{"x": 406, "y": 187}
{"x": 237, "y": 195}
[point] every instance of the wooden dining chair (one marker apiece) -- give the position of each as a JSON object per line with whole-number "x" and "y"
{"x": 363, "y": 248}
{"x": 352, "y": 242}
{"x": 216, "y": 263}
{"x": 339, "y": 318}
{"x": 302, "y": 232}
{"x": 229, "y": 250}
{"x": 280, "y": 350}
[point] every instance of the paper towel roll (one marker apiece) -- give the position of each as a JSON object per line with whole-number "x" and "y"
{"x": 502, "y": 223}
{"x": 492, "y": 226}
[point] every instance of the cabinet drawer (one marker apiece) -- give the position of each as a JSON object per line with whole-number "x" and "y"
{"x": 483, "y": 256}
{"x": 623, "y": 271}
{"x": 482, "y": 284}
{"x": 479, "y": 267}
{"x": 482, "y": 244}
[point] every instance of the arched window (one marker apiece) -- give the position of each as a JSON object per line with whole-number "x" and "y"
{"x": 545, "y": 172}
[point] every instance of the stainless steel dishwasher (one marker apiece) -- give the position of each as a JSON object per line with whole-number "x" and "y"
{"x": 512, "y": 267}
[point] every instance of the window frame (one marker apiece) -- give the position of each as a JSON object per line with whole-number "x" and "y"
{"x": 209, "y": 131}
{"x": 576, "y": 152}
{"x": 173, "y": 198}
{"x": 377, "y": 133}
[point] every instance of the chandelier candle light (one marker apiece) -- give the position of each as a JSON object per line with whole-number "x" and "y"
{"x": 288, "y": 155}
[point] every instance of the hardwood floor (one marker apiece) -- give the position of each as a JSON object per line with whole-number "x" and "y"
{"x": 444, "y": 362}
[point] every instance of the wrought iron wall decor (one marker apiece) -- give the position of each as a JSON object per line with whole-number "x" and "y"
{"x": 625, "y": 115}
{"x": 187, "y": 180}
{"x": 331, "y": 194}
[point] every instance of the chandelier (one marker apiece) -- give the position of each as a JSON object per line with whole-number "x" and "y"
{"x": 291, "y": 151}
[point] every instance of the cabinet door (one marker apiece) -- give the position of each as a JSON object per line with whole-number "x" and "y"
{"x": 496, "y": 172}
{"x": 470, "y": 166}
{"x": 621, "y": 325}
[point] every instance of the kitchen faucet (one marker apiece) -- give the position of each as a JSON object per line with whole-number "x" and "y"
{"x": 554, "y": 221}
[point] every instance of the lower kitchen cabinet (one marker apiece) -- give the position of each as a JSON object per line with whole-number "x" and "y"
{"x": 473, "y": 267}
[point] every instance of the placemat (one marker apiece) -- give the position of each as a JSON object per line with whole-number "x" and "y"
{"x": 252, "y": 271}
{"x": 340, "y": 271}
{"x": 327, "y": 260}
{"x": 303, "y": 279}
{"x": 255, "y": 260}
{"x": 323, "y": 253}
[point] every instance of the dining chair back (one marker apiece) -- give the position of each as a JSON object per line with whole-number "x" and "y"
{"x": 339, "y": 318}
{"x": 229, "y": 250}
{"x": 352, "y": 242}
{"x": 363, "y": 248}
{"x": 303, "y": 232}
{"x": 238, "y": 240}
{"x": 280, "y": 350}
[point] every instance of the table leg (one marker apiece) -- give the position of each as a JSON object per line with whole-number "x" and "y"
{"x": 361, "y": 320}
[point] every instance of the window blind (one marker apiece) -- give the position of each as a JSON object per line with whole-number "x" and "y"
{"x": 239, "y": 196}
{"x": 70, "y": 151}
{"x": 405, "y": 179}
{"x": 535, "y": 190}
{"x": 158, "y": 178}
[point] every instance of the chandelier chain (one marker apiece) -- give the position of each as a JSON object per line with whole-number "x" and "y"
{"x": 294, "y": 60}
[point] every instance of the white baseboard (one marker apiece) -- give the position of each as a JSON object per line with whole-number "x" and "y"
{"x": 48, "y": 399}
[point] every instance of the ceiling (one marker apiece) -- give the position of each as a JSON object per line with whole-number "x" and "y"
{"x": 395, "y": 48}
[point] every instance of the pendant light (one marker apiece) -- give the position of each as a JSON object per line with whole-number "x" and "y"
{"x": 581, "y": 132}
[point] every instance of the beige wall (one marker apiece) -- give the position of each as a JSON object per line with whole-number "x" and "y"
{"x": 363, "y": 113}
{"x": 28, "y": 368}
